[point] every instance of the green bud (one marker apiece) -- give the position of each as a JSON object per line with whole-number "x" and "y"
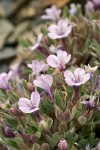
{"x": 44, "y": 124}
{"x": 82, "y": 120}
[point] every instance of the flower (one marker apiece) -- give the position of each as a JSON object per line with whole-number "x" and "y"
{"x": 61, "y": 30}
{"x": 52, "y": 13}
{"x": 90, "y": 104}
{"x": 63, "y": 145}
{"x": 44, "y": 82}
{"x": 54, "y": 49}
{"x": 96, "y": 4}
{"x": 90, "y": 69}
{"x": 8, "y": 132}
{"x": 87, "y": 147}
{"x": 89, "y": 6}
{"x": 79, "y": 77}
{"x": 98, "y": 146}
{"x": 16, "y": 68}
{"x": 73, "y": 9}
{"x": 39, "y": 38}
{"x": 29, "y": 106}
{"x": 4, "y": 80}
{"x": 38, "y": 66}
{"x": 59, "y": 61}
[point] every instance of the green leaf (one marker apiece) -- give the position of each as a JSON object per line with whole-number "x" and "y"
{"x": 32, "y": 122}
{"x": 24, "y": 43}
{"x": 70, "y": 139}
{"x": 24, "y": 82}
{"x": 36, "y": 147}
{"x": 55, "y": 139}
{"x": 29, "y": 130}
{"x": 65, "y": 12}
{"x": 11, "y": 143}
{"x": 13, "y": 123}
{"x": 5, "y": 115}
{"x": 92, "y": 140}
{"x": 58, "y": 98}
{"x": 49, "y": 123}
{"x": 46, "y": 107}
{"x": 96, "y": 44}
{"x": 73, "y": 112}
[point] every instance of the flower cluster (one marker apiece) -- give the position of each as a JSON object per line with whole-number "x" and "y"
{"x": 56, "y": 104}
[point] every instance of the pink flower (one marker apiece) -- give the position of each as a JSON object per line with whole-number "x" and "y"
{"x": 4, "y": 80}
{"x": 63, "y": 145}
{"x": 90, "y": 104}
{"x": 98, "y": 146}
{"x": 90, "y": 69}
{"x": 79, "y": 77}
{"x": 38, "y": 66}
{"x": 39, "y": 39}
{"x": 89, "y": 6}
{"x": 54, "y": 49}
{"x": 29, "y": 106}
{"x": 59, "y": 61}
{"x": 52, "y": 13}
{"x": 96, "y": 1}
{"x": 44, "y": 82}
{"x": 96, "y": 4}
{"x": 61, "y": 30}
{"x": 73, "y": 9}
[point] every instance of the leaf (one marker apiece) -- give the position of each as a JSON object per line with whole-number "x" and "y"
{"x": 24, "y": 82}
{"x": 49, "y": 122}
{"x": 73, "y": 112}
{"x": 92, "y": 140}
{"x": 11, "y": 143}
{"x": 29, "y": 130}
{"x": 13, "y": 123}
{"x": 96, "y": 44}
{"x": 36, "y": 147}
{"x": 38, "y": 133}
{"x": 58, "y": 98}
{"x": 7, "y": 116}
{"x": 55, "y": 139}
{"x": 46, "y": 107}
{"x": 65, "y": 12}
{"x": 70, "y": 139}
{"x": 20, "y": 128}
{"x": 24, "y": 43}
{"x": 32, "y": 122}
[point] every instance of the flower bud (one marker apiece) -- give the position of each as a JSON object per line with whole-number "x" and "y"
{"x": 44, "y": 124}
{"x": 58, "y": 113}
{"x": 63, "y": 145}
{"x": 8, "y": 132}
{"x": 30, "y": 87}
{"x": 45, "y": 146}
{"x": 25, "y": 137}
{"x": 16, "y": 112}
{"x": 82, "y": 120}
